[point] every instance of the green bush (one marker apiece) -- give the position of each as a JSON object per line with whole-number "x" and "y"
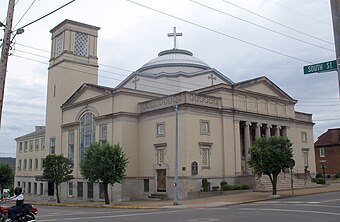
{"x": 337, "y": 175}
{"x": 245, "y": 186}
{"x": 321, "y": 181}
{"x": 223, "y": 183}
{"x": 235, "y": 187}
{"x": 227, "y": 187}
{"x": 318, "y": 175}
{"x": 205, "y": 185}
{"x": 315, "y": 180}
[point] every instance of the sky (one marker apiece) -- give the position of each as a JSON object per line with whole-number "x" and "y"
{"x": 242, "y": 39}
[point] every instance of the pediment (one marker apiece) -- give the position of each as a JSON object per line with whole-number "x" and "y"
{"x": 87, "y": 92}
{"x": 262, "y": 85}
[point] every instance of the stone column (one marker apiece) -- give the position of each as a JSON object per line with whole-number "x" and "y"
{"x": 238, "y": 154}
{"x": 277, "y": 130}
{"x": 258, "y": 130}
{"x": 268, "y": 130}
{"x": 246, "y": 144}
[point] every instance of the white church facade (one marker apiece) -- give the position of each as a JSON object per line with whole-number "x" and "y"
{"x": 218, "y": 120}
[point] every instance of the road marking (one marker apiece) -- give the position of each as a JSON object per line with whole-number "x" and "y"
{"x": 87, "y": 212}
{"x": 287, "y": 210}
{"x": 328, "y": 201}
{"x": 114, "y": 216}
{"x": 203, "y": 220}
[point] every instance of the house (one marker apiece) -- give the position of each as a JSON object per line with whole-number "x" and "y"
{"x": 327, "y": 152}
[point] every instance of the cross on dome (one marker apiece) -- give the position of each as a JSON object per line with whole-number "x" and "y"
{"x": 174, "y": 34}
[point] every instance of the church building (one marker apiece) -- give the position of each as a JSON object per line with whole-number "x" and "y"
{"x": 173, "y": 102}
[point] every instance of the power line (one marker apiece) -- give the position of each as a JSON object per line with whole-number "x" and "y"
{"x": 278, "y": 23}
{"x": 24, "y": 13}
{"x": 260, "y": 26}
{"x": 299, "y": 13}
{"x": 221, "y": 33}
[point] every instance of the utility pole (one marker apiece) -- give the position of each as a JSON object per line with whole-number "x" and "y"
{"x": 176, "y": 160}
{"x": 5, "y": 52}
{"x": 335, "y": 8}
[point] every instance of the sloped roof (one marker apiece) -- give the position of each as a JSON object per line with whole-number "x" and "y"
{"x": 329, "y": 138}
{"x": 39, "y": 132}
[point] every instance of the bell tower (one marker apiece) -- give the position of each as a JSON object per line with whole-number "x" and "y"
{"x": 73, "y": 62}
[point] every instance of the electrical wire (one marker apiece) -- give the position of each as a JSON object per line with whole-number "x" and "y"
{"x": 277, "y": 23}
{"x": 221, "y": 33}
{"x": 24, "y": 13}
{"x": 260, "y": 26}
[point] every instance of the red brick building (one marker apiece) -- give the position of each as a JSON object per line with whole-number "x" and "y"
{"x": 327, "y": 152}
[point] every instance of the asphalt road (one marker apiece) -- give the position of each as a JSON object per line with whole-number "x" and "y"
{"x": 311, "y": 208}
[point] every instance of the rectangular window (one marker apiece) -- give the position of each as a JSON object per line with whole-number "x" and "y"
{"x": 30, "y": 164}
{"x": 103, "y": 133}
{"x": 204, "y": 127}
{"x": 52, "y": 146}
{"x": 37, "y": 143}
{"x": 304, "y": 137}
{"x": 18, "y": 183}
{"x": 20, "y": 147}
{"x": 25, "y": 164}
{"x": 31, "y": 145}
{"x": 81, "y": 44}
{"x": 41, "y": 163}
{"x": 80, "y": 189}
{"x": 25, "y": 146}
{"x": 305, "y": 156}
{"x": 19, "y": 165}
{"x": 205, "y": 154}
{"x": 101, "y": 191}
{"x": 41, "y": 188}
{"x": 160, "y": 127}
{"x": 205, "y": 157}
{"x": 70, "y": 189}
{"x": 146, "y": 185}
{"x": 35, "y": 188}
{"x": 322, "y": 152}
{"x": 90, "y": 190}
{"x": 71, "y": 146}
{"x": 42, "y": 144}
{"x": 59, "y": 44}
{"x": 29, "y": 187}
{"x": 36, "y": 164}
{"x": 160, "y": 155}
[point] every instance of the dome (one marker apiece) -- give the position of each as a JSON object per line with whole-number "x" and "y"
{"x": 174, "y": 58}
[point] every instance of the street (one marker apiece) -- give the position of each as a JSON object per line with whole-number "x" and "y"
{"x": 311, "y": 208}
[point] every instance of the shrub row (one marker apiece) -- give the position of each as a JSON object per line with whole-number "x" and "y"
{"x": 235, "y": 187}
{"x": 319, "y": 180}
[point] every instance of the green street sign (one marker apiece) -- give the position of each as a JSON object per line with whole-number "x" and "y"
{"x": 320, "y": 67}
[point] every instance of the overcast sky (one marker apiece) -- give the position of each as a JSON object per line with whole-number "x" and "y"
{"x": 243, "y": 39}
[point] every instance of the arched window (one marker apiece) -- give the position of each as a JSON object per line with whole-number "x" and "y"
{"x": 87, "y": 132}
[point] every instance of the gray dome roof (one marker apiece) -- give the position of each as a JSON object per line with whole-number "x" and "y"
{"x": 174, "y": 57}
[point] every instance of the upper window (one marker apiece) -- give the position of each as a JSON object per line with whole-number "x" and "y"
{"x": 42, "y": 143}
{"x": 31, "y": 145}
{"x": 160, "y": 127}
{"x": 71, "y": 146}
{"x": 59, "y": 44}
{"x": 87, "y": 132}
{"x": 26, "y": 146}
{"x": 103, "y": 133}
{"x": 205, "y": 154}
{"x": 304, "y": 137}
{"x": 205, "y": 127}
{"x": 37, "y": 144}
{"x": 322, "y": 152}
{"x": 52, "y": 146}
{"x": 20, "y": 147}
{"x": 81, "y": 44}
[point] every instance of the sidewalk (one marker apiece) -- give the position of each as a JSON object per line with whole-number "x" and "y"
{"x": 216, "y": 201}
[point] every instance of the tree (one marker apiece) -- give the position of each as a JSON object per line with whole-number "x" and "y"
{"x": 270, "y": 156}
{"x": 6, "y": 176}
{"x": 105, "y": 163}
{"x": 57, "y": 169}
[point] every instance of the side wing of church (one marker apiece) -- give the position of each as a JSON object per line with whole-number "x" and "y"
{"x": 218, "y": 121}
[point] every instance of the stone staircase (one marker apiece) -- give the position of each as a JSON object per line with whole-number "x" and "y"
{"x": 283, "y": 183}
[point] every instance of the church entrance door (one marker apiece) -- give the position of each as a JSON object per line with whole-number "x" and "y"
{"x": 161, "y": 180}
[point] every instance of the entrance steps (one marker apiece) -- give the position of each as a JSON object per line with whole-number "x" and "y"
{"x": 158, "y": 196}
{"x": 283, "y": 183}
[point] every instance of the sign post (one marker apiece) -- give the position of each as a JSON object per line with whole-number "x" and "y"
{"x": 320, "y": 67}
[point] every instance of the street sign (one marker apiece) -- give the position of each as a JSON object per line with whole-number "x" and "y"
{"x": 320, "y": 67}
